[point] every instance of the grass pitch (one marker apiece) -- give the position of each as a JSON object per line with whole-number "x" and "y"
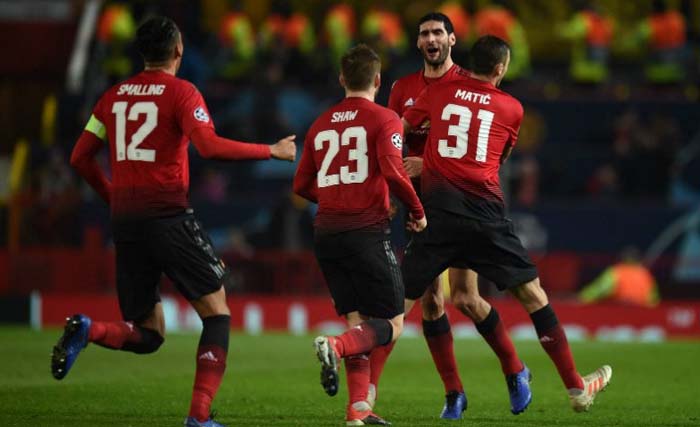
{"x": 273, "y": 380}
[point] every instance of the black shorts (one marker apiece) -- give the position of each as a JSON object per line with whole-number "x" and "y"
{"x": 361, "y": 272}
{"x": 178, "y": 247}
{"x": 490, "y": 248}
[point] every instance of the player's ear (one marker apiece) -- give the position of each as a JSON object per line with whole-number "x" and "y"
{"x": 499, "y": 69}
{"x": 341, "y": 80}
{"x": 179, "y": 49}
{"x": 452, "y": 39}
{"x": 377, "y": 80}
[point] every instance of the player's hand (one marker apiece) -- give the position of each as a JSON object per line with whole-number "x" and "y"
{"x": 284, "y": 149}
{"x": 413, "y": 166}
{"x": 416, "y": 225}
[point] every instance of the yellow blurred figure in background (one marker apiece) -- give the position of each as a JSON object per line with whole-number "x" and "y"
{"x": 627, "y": 282}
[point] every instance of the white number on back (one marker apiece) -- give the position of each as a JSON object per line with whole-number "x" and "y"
{"x": 357, "y": 154}
{"x": 460, "y": 132}
{"x": 131, "y": 151}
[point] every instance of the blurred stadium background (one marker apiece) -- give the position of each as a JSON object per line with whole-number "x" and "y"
{"x": 608, "y": 158}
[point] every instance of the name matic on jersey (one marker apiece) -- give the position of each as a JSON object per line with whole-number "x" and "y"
{"x": 480, "y": 98}
{"x": 140, "y": 90}
{"x": 343, "y": 116}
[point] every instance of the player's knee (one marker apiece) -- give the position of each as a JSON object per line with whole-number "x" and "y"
{"x": 531, "y": 295}
{"x": 213, "y": 304}
{"x": 431, "y": 305}
{"x": 396, "y": 327}
{"x": 150, "y": 342}
{"x": 467, "y": 304}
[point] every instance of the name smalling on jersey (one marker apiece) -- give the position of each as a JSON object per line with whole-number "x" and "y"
{"x": 140, "y": 90}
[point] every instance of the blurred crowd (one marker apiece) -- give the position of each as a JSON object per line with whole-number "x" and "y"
{"x": 268, "y": 67}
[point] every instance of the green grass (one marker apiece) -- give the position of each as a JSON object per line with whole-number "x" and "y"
{"x": 272, "y": 380}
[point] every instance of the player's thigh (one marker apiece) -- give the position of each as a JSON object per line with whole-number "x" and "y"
{"x": 340, "y": 285}
{"x": 498, "y": 254}
{"x": 427, "y": 255}
{"x": 138, "y": 276}
{"x": 463, "y": 281}
{"x": 377, "y": 280}
{"x": 187, "y": 256}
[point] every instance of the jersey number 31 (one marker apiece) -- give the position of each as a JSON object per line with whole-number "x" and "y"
{"x": 131, "y": 151}
{"x": 460, "y": 132}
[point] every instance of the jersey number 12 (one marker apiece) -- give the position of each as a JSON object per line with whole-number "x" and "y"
{"x": 131, "y": 151}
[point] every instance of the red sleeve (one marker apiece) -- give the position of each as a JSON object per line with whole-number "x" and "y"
{"x": 515, "y": 127}
{"x": 395, "y": 98}
{"x": 192, "y": 111}
{"x": 305, "y": 183}
{"x": 400, "y": 185}
{"x": 420, "y": 111}
{"x": 211, "y": 146}
{"x": 389, "y": 141}
{"x": 83, "y": 160}
{"x": 389, "y": 144}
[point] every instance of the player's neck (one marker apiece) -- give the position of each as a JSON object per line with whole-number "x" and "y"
{"x": 368, "y": 95}
{"x": 483, "y": 78}
{"x": 433, "y": 72}
{"x": 166, "y": 67}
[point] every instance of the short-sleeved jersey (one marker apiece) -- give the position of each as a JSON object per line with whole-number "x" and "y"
{"x": 147, "y": 121}
{"x": 403, "y": 95}
{"x": 342, "y": 149}
{"x": 471, "y": 123}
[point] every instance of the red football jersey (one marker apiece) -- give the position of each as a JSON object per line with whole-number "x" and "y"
{"x": 341, "y": 156}
{"x": 471, "y": 122}
{"x": 148, "y": 120}
{"x": 404, "y": 93}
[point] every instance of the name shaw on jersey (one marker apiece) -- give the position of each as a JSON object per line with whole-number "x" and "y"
{"x": 140, "y": 90}
{"x": 479, "y": 98}
{"x": 343, "y": 116}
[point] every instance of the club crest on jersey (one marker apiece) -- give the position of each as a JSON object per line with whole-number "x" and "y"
{"x": 397, "y": 140}
{"x": 409, "y": 102}
{"x": 201, "y": 115}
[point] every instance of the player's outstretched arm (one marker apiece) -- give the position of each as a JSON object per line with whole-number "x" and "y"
{"x": 211, "y": 146}
{"x": 284, "y": 149}
{"x": 83, "y": 161}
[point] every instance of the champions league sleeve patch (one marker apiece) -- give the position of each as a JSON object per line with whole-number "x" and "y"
{"x": 397, "y": 140}
{"x": 201, "y": 115}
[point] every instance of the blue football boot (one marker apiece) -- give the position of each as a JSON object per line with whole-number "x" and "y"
{"x": 455, "y": 404}
{"x": 73, "y": 341}
{"x": 192, "y": 422}
{"x": 519, "y": 390}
